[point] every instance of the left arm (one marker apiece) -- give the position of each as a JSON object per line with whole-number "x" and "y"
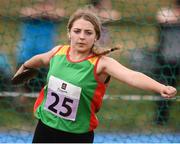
{"x": 134, "y": 78}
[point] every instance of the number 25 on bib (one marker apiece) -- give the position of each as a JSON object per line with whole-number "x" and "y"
{"x": 62, "y": 98}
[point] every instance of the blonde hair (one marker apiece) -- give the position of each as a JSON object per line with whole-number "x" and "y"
{"x": 92, "y": 18}
{"x": 103, "y": 51}
{"x": 86, "y": 15}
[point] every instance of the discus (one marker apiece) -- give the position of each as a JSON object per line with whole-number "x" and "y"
{"x": 25, "y": 76}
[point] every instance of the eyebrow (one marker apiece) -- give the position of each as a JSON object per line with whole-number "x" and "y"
{"x": 85, "y": 29}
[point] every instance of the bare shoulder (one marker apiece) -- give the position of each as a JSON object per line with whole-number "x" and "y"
{"x": 52, "y": 51}
{"x": 104, "y": 63}
{"x": 106, "y": 59}
{"x": 56, "y": 48}
{"x": 46, "y": 57}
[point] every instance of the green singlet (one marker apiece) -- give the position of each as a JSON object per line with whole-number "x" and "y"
{"x": 73, "y": 94}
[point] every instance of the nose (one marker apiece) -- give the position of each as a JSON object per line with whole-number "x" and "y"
{"x": 82, "y": 35}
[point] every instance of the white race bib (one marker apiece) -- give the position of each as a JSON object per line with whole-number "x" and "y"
{"x": 62, "y": 98}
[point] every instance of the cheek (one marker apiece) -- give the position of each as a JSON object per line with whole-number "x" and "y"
{"x": 91, "y": 41}
{"x": 74, "y": 38}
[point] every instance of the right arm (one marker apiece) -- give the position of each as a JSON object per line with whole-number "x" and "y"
{"x": 37, "y": 61}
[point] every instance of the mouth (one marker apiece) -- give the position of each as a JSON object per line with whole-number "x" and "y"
{"x": 81, "y": 44}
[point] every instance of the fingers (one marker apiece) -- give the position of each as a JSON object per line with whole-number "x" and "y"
{"x": 20, "y": 70}
{"x": 167, "y": 96}
{"x": 169, "y": 92}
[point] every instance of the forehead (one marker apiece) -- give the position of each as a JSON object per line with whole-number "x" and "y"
{"x": 83, "y": 24}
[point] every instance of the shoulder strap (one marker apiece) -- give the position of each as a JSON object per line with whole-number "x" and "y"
{"x": 62, "y": 50}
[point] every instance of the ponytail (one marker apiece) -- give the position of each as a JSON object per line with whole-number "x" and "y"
{"x": 103, "y": 51}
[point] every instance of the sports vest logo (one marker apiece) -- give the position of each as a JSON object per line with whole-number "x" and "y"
{"x": 63, "y": 86}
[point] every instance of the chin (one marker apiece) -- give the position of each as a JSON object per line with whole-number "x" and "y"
{"x": 81, "y": 49}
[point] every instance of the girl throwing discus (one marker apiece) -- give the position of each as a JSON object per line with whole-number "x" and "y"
{"x": 77, "y": 81}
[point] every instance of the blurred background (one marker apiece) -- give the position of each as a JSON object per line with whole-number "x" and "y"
{"x": 128, "y": 114}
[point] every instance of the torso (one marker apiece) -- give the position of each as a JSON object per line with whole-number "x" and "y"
{"x": 79, "y": 92}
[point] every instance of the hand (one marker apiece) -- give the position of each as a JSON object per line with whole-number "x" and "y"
{"x": 20, "y": 70}
{"x": 168, "y": 92}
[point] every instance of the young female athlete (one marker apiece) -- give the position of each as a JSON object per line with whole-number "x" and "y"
{"x": 76, "y": 82}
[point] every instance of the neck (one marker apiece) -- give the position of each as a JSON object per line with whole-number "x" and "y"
{"x": 76, "y": 55}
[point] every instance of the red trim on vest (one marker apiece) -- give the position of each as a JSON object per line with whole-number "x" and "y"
{"x": 76, "y": 61}
{"x": 96, "y": 104}
{"x": 57, "y": 51}
{"x": 39, "y": 99}
{"x": 95, "y": 71}
{"x": 97, "y": 99}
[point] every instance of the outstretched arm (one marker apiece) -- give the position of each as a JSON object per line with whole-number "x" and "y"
{"x": 134, "y": 78}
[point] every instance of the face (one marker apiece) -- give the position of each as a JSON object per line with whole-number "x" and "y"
{"x": 82, "y": 35}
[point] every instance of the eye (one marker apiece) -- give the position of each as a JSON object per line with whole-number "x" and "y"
{"x": 89, "y": 33}
{"x": 76, "y": 31}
